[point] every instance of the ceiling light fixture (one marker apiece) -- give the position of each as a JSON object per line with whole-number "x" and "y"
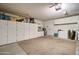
{"x": 57, "y": 6}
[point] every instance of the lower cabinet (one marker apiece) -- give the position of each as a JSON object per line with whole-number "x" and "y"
{"x": 41, "y": 33}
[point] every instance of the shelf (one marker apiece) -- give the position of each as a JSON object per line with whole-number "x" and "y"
{"x": 66, "y": 24}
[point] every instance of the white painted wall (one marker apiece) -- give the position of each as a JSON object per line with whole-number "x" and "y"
{"x": 49, "y": 25}
{"x": 72, "y": 19}
{"x": 39, "y": 22}
{"x": 51, "y": 28}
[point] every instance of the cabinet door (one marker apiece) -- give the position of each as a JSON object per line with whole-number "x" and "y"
{"x": 0, "y": 31}
{"x": 11, "y": 32}
{"x": 33, "y": 30}
{"x": 3, "y": 32}
{"x": 27, "y": 31}
{"x": 78, "y": 35}
{"x": 20, "y": 31}
{"x": 42, "y": 34}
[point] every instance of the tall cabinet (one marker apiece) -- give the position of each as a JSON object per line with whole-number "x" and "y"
{"x": 20, "y": 31}
{"x": 11, "y": 32}
{"x": 27, "y": 31}
{"x": 3, "y": 32}
{"x": 33, "y": 30}
{"x": 0, "y": 32}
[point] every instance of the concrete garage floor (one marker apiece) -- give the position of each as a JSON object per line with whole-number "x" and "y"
{"x": 41, "y": 46}
{"x": 77, "y": 47}
{"x": 11, "y": 49}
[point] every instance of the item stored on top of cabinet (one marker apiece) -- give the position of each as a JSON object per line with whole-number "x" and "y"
{"x": 20, "y": 20}
{"x": 3, "y": 16}
{"x": 32, "y": 20}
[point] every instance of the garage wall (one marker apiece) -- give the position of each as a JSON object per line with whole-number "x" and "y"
{"x": 67, "y": 23}
{"x": 51, "y": 27}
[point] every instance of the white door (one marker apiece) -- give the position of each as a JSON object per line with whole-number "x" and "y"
{"x": 11, "y": 31}
{"x": 20, "y": 31}
{"x": 27, "y": 31}
{"x": 33, "y": 30}
{"x": 3, "y": 32}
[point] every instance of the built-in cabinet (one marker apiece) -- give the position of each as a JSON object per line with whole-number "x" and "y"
{"x": 40, "y": 34}
{"x": 27, "y": 31}
{"x": 3, "y": 32}
{"x": 20, "y": 30}
{"x": 11, "y": 32}
{"x": 0, "y": 32}
{"x": 33, "y": 30}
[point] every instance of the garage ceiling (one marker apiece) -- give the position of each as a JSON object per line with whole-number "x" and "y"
{"x": 40, "y": 10}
